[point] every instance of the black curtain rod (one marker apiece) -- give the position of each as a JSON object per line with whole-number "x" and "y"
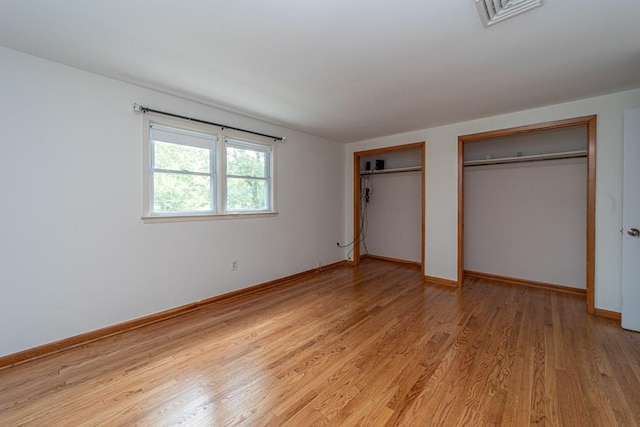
{"x": 138, "y": 107}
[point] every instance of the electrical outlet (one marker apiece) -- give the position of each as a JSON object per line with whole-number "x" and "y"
{"x": 234, "y": 265}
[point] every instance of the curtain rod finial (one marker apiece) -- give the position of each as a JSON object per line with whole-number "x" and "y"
{"x": 137, "y": 107}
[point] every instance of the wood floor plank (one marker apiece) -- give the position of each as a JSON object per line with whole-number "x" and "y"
{"x": 372, "y": 345}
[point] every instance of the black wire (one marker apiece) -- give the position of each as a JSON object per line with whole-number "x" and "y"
{"x": 365, "y": 182}
{"x": 365, "y": 223}
{"x": 357, "y": 238}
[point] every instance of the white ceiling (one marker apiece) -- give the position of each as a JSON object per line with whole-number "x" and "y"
{"x": 344, "y": 70}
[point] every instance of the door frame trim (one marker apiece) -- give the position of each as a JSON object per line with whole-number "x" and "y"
{"x": 590, "y": 122}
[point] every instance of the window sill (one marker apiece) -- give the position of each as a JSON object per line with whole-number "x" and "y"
{"x": 207, "y": 217}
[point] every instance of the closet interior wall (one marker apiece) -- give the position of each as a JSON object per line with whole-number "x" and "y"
{"x": 391, "y": 214}
{"x": 527, "y": 219}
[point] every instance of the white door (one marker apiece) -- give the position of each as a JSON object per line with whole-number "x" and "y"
{"x": 631, "y": 222}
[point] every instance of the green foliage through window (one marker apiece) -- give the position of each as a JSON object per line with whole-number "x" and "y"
{"x": 245, "y": 162}
{"x": 181, "y": 193}
{"x": 181, "y": 157}
{"x": 245, "y": 194}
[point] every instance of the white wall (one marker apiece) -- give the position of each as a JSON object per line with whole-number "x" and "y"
{"x": 394, "y": 216}
{"x": 527, "y": 221}
{"x": 74, "y": 253}
{"x": 442, "y": 181}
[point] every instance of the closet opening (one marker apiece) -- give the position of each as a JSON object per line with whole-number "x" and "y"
{"x": 526, "y": 206}
{"x": 389, "y": 204}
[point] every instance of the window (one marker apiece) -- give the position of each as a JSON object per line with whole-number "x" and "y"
{"x": 192, "y": 170}
{"x": 182, "y": 170}
{"x": 248, "y": 176}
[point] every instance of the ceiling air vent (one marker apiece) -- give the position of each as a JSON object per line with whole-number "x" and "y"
{"x": 493, "y": 11}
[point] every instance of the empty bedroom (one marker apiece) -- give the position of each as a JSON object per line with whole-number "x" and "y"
{"x": 333, "y": 213}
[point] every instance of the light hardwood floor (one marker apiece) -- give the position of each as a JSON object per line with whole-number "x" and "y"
{"x": 367, "y": 346}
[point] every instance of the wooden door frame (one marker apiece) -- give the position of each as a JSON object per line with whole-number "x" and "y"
{"x": 356, "y": 190}
{"x": 590, "y": 123}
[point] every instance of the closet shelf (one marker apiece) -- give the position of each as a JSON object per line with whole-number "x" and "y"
{"x": 393, "y": 170}
{"x": 530, "y": 158}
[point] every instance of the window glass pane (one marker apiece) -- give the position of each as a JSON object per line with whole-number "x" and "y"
{"x": 174, "y": 192}
{"x": 181, "y": 157}
{"x": 246, "y": 162}
{"x": 181, "y": 136}
{"x": 246, "y": 194}
{"x": 264, "y": 148}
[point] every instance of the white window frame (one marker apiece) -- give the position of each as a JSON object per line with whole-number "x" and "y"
{"x": 218, "y": 171}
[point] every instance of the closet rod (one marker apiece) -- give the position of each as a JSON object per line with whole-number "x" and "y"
{"x": 531, "y": 158}
{"x": 394, "y": 170}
